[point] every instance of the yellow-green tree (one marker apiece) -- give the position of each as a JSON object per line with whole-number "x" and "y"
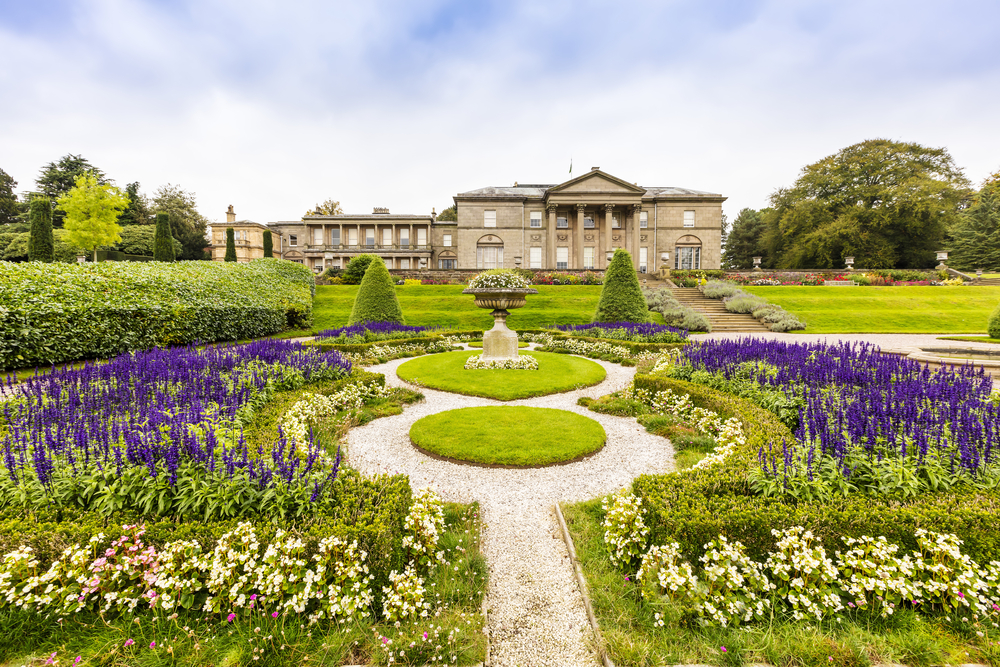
{"x": 92, "y": 212}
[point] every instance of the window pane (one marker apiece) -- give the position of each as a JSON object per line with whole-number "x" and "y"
{"x": 352, "y": 236}
{"x": 489, "y": 218}
{"x": 615, "y": 224}
{"x": 404, "y": 237}
{"x": 588, "y": 223}
{"x": 446, "y": 241}
{"x": 588, "y": 257}
{"x": 335, "y": 236}
{"x": 562, "y": 223}
{"x": 642, "y": 260}
{"x": 643, "y": 220}
{"x": 318, "y": 236}
{"x": 697, "y": 258}
{"x": 689, "y": 218}
{"x": 422, "y": 236}
{"x": 293, "y": 239}
{"x": 562, "y": 258}
{"x": 404, "y": 262}
{"x": 535, "y": 258}
{"x": 387, "y": 236}
{"x": 370, "y": 237}
{"x": 536, "y": 218}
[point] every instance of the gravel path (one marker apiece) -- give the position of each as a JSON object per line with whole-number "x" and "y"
{"x": 536, "y": 612}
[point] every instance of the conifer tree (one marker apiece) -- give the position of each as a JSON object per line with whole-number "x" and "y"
{"x": 163, "y": 241}
{"x": 268, "y": 244}
{"x": 621, "y": 297}
{"x": 230, "y": 245}
{"x": 41, "y": 247}
{"x": 376, "y": 300}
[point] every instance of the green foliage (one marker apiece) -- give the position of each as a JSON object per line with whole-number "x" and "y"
{"x": 186, "y": 224}
{"x": 9, "y": 208}
{"x": 58, "y": 178}
{"x": 268, "y": 244}
{"x": 355, "y": 270}
{"x": 230, "y": 245}
{"x": 92, "y": 212}
{"x": 376, "y": 300}
{"x": 63, "y": 312}
{"x": 138, "y": 240}
{"x": 163, "y": 242}
{"x": 993, "y": 325}
{"x": 621, "y": 296}
{"x": 137, "y": 212}
{"x": 975, "y": 238}
{"x": 743, "y": 242}
{"x": 449, "y": 214}
{"x": 887, "y": 203}
{"x": 328, "y": 207}
{"x": 41, "y": 247}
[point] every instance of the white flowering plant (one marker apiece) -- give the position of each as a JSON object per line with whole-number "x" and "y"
{"x": 499, "y": 279}
{"x": 524, "y": 362}
{"x": 423, "y": 525}
{"x": 625, "y": 529}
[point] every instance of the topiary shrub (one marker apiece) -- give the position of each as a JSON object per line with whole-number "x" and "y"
{"x": 230, "y": 245}
{"x": 376, "y": 300}
{"x": 41, "y": 247}
{"x": 268, "y": 244}
{"x": 621, "y": 296}
{"x": 163, "y": 240}
{"x": 356, "y": 268}
{"x": 993, "y": 326}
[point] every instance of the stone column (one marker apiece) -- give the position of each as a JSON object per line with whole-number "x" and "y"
{"x": 410, "y": 241}
{"x": 578, "y": 246}
{"x": 636, "y": 236}
{"x": 550, "y": 244}
{"x": 609, "y": 213}
{"x": 341, "y": 241}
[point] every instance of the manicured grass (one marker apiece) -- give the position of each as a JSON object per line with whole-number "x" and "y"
{"x": 479, "y": 343}
{"x": 886, "y": 309}
{"x": 508, "y": 435}
{"x": 627, "y": 624}
{"x": 556, "y": 373}
{"x": 974, "y": 339}
{"x": 446, "y": 306}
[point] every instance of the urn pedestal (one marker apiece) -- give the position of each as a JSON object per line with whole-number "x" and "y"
{"x": 499, "y": 342}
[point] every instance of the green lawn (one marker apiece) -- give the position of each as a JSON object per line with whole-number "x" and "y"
{"x": 886, "y": 309}
{"x": 446, "y": 306}
{"x": 556, "y": 373}
{"x": 508, "y": 435}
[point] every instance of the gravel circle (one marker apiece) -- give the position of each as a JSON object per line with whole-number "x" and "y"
{"x": 536, "y": 610}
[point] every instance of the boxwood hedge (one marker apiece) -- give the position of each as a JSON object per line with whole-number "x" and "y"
{"x": 696, "y": 506}
{"x": 52, "y": 313}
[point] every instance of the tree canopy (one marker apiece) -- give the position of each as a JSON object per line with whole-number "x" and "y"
{"x": 449, "y": 214}
{"x": 887, "y": 203}
{"x": 58, "y": 178}
{"x": 975, "y": 237}
{"x": 743, "y": 242}
{"x": 329, "y": 207}
{"x": 137, "y": 212}
{"x": 138, "y": 240}
{"x": 9, "y": 209}
{"x": 92, "y": 211}
{"x": 186, "y": 224}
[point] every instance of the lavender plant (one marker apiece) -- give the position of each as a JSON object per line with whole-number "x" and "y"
{"x": 366, "y": 332}
{"x": 631, "y": 331}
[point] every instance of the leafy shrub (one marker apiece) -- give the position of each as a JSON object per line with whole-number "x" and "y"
{"x": 621, "y": 296}
{"x": 993, "y": 326}
{"x": 356, "y": 268}
{"x": 268, "y": 244}
{"x": 675, "y": 313}
{"x": 738, "y": 301}
{"x": 718, "y": 289}
{"x": 64, "y": 312}
{"x": 40, "y": 244}
{"x": 163, "y": 241}
{"x": 230, "y": 245}
{"x": 376, "y": 300}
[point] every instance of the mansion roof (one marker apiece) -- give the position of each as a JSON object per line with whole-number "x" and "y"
{"x": 592, "y": 182}
{"x": 538, "y": 191}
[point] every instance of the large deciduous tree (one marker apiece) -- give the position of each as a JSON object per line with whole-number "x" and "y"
{"x": 449, "y": 214}
{"x": 92, "y": 212}
{"x": 41, "y": 246}
{"x": 887, "y": 203}
{"x": 744, "y": 240}
{"x": 137, "y": 212}
{"x": 9, "y": 208}
{"x": 58, "y": 178}
{"x": 186, "y": 223}
{"x": 138, "y": 240}
{"x": 975, "y": 238}
{"x": 329, "y": 207}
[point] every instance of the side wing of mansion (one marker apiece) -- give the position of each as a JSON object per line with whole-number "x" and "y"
{"x": 570, "y": 226}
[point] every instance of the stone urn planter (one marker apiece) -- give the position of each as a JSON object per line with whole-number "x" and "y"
{"x": 499, "y": 342}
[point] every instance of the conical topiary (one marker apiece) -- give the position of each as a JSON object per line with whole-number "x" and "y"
{"x": 993, "y": 325}
{"x": 621, "y": 296}
{"x": 268, "y": 244}
{"x": 40, "y": 244}
{"x": 376, "y": 300}
{"x": 163, "y": 240}
{"x": 230, "y": 245}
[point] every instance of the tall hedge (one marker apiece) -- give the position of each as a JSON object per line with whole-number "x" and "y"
{"x": 163, "y": 240}
{"x": 354, "y": 272}
{"x": 41, "y": 247}
{"x": 376, "y": 300}
{"x": 268, "y": 244}
{"x": 65, "y": 312}
{"x": 230, "y": 245}
{"x": 621, "y": 296}
{"x": 993, "y": 326}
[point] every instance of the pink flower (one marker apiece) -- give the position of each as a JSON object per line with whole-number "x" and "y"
{"x": 961, "y": 594}
{"x": 425, "y": 635}
{"x": 129, "y": 642}
{"x": 78, "y": 659}
{"x": 274, "y": 614}
{"x": 152, "y": 644}
{"x": 385, "y": 640}
{"x": 230, "y": 618}
{"x": 253, "y": 597}
{"x": 723, "y": 649}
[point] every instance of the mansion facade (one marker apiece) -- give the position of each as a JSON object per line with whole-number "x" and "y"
{"x": 572, "y": 226}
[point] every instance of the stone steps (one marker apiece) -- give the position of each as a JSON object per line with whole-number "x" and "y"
{"x": 721, "y": 319}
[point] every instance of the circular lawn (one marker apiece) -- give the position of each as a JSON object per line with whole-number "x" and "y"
{"x": 508, "y": 436}
{"x": 556, "y": 373}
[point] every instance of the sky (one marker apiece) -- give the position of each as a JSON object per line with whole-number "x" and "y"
{"x": 275, "y": 106}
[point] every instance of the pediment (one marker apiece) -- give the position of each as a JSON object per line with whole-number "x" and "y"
{"x": 597, "y": 182}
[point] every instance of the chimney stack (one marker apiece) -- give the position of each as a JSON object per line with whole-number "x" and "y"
{"x": 230, "y": 214}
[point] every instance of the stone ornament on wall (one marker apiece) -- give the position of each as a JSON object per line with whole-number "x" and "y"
{"x": 563, "y": 237}
{"x": 616, "y": 237}
{"x": 588, "y": 237}
{"x": 642, "y": 237}
{"x": 536, "y": 237}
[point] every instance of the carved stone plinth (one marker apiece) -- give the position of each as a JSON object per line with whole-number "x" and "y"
{"x": 499, "y": 342}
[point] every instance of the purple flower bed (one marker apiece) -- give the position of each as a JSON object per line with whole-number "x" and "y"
{"x": 373, "y": 331}
{"x": 632, "y": 331}
{"x": 161, "y": 410}
{"x": 864, "y": 410}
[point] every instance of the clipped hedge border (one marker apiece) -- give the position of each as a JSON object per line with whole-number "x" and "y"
{"x": 696, "y": 506}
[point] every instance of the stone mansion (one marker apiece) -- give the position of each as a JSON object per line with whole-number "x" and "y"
{"x": 570, "y": 226}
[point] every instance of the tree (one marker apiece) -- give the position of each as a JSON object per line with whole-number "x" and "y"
{"x": 975, "y": 238}
{"x": 744, "y": 241}
{"x": 9, "y": 209}
{"x": 449, "y": 214}
{"x": 163, "y": 241}
{"x": 41, "y": 247}
{"x": 329, "y": 207}
{"x": 376, "y": 300}
{"x": 92, "y": 212}
{"x": 186, "y": 223}
{"x": 621, "y": 296}
{"x": 268, "y": 244}
{"x": 355, "y": 270}
{"x": 58, "y": 178}
{"x": 137, "y": 212}
{"x": 887, "y": 203}
{"x": 138, "y": 240}
{"x": 230, "y": 245}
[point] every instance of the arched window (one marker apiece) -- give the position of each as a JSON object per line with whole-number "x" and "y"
{"x": 489, "y": 252}
{"x": 687, "y": 253}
